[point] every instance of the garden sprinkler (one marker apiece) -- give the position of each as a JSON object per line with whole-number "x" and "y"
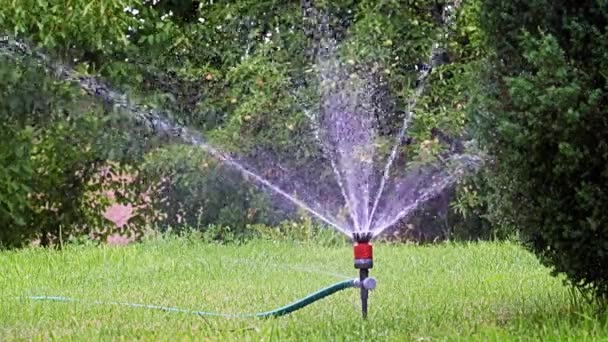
{"x": 364, "y": 260}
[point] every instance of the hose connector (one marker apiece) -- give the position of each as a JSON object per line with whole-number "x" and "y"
{"x": 367, "y": 283}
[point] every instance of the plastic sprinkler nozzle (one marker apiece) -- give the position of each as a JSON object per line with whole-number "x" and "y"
{"x": 364, "y": 260}
{"x": 364, "y": 255}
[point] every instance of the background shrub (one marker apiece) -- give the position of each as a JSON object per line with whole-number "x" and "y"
{"x": 542, "y": 114}
{"x": 51, "y": 141}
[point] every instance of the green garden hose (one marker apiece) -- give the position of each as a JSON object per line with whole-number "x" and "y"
{"x": 313, "y": 297}
{"x": 299, "y": 304}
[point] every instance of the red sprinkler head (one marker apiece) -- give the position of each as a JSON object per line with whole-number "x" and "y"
{"x": 364, "y": 256}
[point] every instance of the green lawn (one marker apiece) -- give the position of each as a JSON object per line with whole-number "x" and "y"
{"x": 480, "y": 291}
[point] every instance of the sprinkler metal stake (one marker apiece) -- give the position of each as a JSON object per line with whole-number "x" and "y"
{"x": 364, "y": 261}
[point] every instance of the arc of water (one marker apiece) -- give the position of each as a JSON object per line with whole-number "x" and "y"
{"x": 323, "y": 48}
{"x": 342, "y": 146}
{"x": 271, "y": 186}
{"x": 466, "y": 162}
{"x": 315, "y": 125}
{"x": 446, "y": 18}
{"x": 398, "y": 141}
{"x": 159, "y": 124}
{"x": 425, "y": 196}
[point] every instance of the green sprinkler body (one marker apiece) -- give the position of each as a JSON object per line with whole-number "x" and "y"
{"x": 364, "y": 260}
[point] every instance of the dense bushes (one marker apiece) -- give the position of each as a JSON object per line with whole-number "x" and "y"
{"x": 542, "y": 114}
{"x": 15, "y": 174}
{"x": 48, "y": 147}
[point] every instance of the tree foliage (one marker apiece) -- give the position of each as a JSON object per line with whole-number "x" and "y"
{"x": 51, "y": 140}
